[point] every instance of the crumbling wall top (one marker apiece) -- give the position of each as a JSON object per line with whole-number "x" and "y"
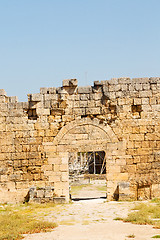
{"x": 124, "y": 85}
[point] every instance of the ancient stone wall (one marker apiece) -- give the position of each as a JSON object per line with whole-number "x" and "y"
{"x": 119, "y": 116}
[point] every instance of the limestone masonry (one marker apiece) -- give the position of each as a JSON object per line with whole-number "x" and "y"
{"x": 118, "y": 117}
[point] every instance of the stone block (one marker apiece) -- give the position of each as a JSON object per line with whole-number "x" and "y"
{"x": 36, "y": 97}
{"x": 91, "y": 104}
{"x": 64, "y": 167}
{"x": 112, "y": 88}
{"x": 4, "y": 178}
{"x": 97, "y": 83}
{"x": 113, "y": 81}
{"x": 137, "y": 101}
{"x": 156, "y": 108}
{"x": 51, "y": 90}
{"x": 3, "y": 92}
{"x": 119, "y": 94}
{"x": 126, "y": 108}
{"x": 146, "y": 108}
{"x": 124, "y": 80}
{"x": 153, "y": 100}
{"x": 56, "y": 167}
{"x": 83, "y": 90}
{"x": 146, "y": 93}
{"x": 54, "y": 179}
{"x": 70, "y": 83}
{"x": 118, "y": 87}
{"x": 138, "y": 86}
{"x": 48, "y": 167}
{"x": 144, "y": 151}
{"x": 13, "y": 99}
{"x": 155, "y": 190}
{"x": 47, "y": 104}
{"x": 105, "y": 88}
{"x": 54, "y": 160}
{"x": 59, "y": 200}
{"x": 146, "y": 86}
{"x": 65, "y": 177}
{"x": 43, "y": 90}
{"x": 98, "y": 103}
{"x": 137, "y": 137}
{"x": 43, "y": 112}
{"x": 67, "y": 118}
{"x": 129, "y": 100}
{"x": 153, "y": 87}
{"x": 84, "y": 97}
{"x": 98, "y": 96}
{"x": 65, "y": 160}
{"x": 48, "y": 97}
{"x": 121, "y": 101}
{"x": 124, "y": 87}
{"x": 122, "y": 177}
{"x": 154, "y": 80}
{"x": 40, "y": 193}
{"x": 79, "y": 111}
{"x": 48, "y": 194}
{"x": 140, "y": 80}
{"x": 93, "y": 111}
{"x": 112, "y": 95}
{"x": 2, "y": 127}
{"x": 2, "y": 99}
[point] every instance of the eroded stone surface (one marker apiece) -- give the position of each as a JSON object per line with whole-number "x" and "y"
{"x": 118, "y": 116}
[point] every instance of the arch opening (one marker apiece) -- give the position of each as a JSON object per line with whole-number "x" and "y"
{"x": 87, "y": 146}
{"x": 87, "y": 175}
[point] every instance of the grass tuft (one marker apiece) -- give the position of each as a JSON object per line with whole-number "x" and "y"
{"x": 145, "y": 214}
{"x": 138, "y": 218}
{"x": 118, "y": 219}
{"x": 16, "y": 220}
{"x": 156, "y": 200}
{"x": 156, "y": 236}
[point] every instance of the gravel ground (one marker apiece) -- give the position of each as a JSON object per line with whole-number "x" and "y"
{"x": 93, "y": 219}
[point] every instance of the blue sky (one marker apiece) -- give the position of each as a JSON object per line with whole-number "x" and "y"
{"x": 43, "y": 42}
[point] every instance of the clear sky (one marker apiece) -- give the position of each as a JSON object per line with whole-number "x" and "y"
{"x": 43, "y": 42}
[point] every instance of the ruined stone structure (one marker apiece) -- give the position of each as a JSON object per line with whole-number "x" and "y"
{"x": 120, "y": 117}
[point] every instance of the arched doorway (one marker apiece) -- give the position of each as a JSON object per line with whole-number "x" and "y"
{"x": 87, "y": 175}
{"x": 87, "y": 138}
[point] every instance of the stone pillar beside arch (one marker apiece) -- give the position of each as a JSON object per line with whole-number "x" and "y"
{"x": 118, "y": 187}
{"x": 56, "y": 171}
{"x": 83, "y": 136}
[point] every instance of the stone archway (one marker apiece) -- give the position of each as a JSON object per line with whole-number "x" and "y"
{"x": 83, "y": 122}
{"x": 85, "y": 135}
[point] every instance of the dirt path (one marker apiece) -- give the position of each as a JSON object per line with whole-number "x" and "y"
{"x": 94, "y": 220}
